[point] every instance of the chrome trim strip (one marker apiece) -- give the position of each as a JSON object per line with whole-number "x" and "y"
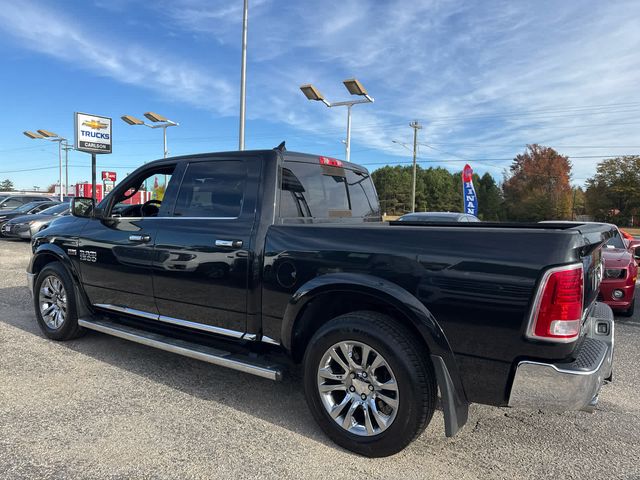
{"x": 201, "y": 326}
{"x": 214, "y": 356}
{"x": 127, "y": 311}
{"x": 176, "y": 321}
{"x": 270, "y": 340}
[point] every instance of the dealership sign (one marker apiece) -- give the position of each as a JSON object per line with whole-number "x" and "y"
{"x": 109, "y": 176}
{"x": 93, "y": 133}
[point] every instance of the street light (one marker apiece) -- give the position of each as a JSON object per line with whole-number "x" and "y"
{"x": 159, "y": 121}
{"x": 53, "y": 137}
{"x": 355, "y": 88}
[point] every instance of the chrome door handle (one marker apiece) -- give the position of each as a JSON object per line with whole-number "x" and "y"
{"x": 139, "y": 238}
{"x": 229, "y": 243}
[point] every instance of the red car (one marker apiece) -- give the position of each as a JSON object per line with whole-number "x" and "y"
{"x": 620, "y": 273}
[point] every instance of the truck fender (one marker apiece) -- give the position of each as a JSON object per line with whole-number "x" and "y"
{"x": 53, "y": 250}
{"x": 454, "y": 403}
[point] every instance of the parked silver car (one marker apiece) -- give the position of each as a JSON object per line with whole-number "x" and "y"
{"x": 26, "y": 226}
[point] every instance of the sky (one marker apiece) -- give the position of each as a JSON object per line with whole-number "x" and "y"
{"x": 483, "y": 78}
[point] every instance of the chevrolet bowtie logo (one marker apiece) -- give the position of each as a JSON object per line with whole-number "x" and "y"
{"x": 95, "y": 124}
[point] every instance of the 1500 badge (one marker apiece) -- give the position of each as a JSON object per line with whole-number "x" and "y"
{"x": 88, "y": 256}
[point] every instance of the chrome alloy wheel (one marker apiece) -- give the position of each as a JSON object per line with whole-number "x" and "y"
{"x": 53, "y": 302}
{"x": 358, "y": 388}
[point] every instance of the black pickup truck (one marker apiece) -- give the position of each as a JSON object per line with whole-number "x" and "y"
{"x": 261, "y": 260}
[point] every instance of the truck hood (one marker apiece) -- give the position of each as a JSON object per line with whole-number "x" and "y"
{"x": 616, "y": 258}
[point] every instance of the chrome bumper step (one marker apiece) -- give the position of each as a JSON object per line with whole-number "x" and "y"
{"x": 204, "y": 353}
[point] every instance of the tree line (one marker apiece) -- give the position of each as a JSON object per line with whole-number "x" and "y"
{"x": 536, "y": 186}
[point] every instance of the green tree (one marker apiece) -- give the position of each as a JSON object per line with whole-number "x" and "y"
{"x": 441, "y": 190}
{"x": 489, "y": 198}
{"x": 613, "y": 193}
{"x": 537, "y": 186}
{"x": 6, "y": 185}
{"x": 393, "y": 185}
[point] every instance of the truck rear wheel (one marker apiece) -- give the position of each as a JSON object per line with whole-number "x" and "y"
{"x": 369, "y": 383}
{"x": 55, "y": 303}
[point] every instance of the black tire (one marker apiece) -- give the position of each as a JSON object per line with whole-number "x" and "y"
{"x": 69, "y": 329}
{"x": 629, "y": 311}
{"x": 410, "y": 364}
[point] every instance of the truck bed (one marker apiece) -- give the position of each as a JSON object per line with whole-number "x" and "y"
{"x": 477, "y": 280}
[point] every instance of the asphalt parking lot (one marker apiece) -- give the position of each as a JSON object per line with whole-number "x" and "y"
{"x": 100, "y": 407}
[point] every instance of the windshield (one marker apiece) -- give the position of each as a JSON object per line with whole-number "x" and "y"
{"x": 616, "y": 242}
{"x": 56, "y": 209}
{"x": 27, "y": 207}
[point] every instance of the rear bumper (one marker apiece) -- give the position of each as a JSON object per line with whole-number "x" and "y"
{"x": 574, "y": 385}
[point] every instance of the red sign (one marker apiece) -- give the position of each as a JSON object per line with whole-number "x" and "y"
{"x": 84, "y": 190}
{"x": 110, "y": 176}
{"x": 139, "y": 198}
{"x": 467, "y": 174}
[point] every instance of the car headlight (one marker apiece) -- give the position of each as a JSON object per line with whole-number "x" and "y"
{"x": 615, "y": 273}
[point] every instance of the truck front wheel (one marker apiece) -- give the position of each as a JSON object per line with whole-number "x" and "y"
{"x": 369, "y": 383}
{"x": 55, "y": 303}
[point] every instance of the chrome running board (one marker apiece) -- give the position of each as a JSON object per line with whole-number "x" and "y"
{"x": 204, "y": 353}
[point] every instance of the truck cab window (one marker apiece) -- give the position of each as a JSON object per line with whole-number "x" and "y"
{"x": 318, "y": 191}
{"x": 212, "y": 189}
{"x": 143, "y": 195}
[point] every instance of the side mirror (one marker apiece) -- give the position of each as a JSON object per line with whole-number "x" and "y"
{"x": 82, "y": 207}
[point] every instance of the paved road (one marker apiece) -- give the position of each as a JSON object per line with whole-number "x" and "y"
{"x": 100, "y": 407}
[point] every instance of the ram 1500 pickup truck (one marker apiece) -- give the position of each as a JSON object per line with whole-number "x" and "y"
{"x": 261, "y": 260}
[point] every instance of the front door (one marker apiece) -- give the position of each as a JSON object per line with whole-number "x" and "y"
{"x": 115, "y": 252}
{"x": 202, "y": 250}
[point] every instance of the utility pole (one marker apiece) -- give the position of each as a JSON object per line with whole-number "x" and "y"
{"x": 416, "y": 126}
{"x": 243, "y": 74}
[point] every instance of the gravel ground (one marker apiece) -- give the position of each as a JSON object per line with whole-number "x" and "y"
{"x": 100, "y": 407}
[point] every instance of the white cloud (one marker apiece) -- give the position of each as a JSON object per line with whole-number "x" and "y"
{"x": 47, "y": 32}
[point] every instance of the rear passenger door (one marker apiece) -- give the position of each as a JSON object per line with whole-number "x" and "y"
{"x": 203, "y": 247}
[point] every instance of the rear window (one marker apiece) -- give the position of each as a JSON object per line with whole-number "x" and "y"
{"x": 320, "y": 191}
{"x": 212, "y": 189}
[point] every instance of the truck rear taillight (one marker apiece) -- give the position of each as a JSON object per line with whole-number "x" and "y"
{"x": 557, "y": 311}
{"x": 331, "y": 162}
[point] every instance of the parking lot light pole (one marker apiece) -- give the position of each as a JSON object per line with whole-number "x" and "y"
{"x": 243, "y": 75}
{"x": 355, "y": 88}
{"x": 159, "y": 121}
{"x": 53, "y": 137}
